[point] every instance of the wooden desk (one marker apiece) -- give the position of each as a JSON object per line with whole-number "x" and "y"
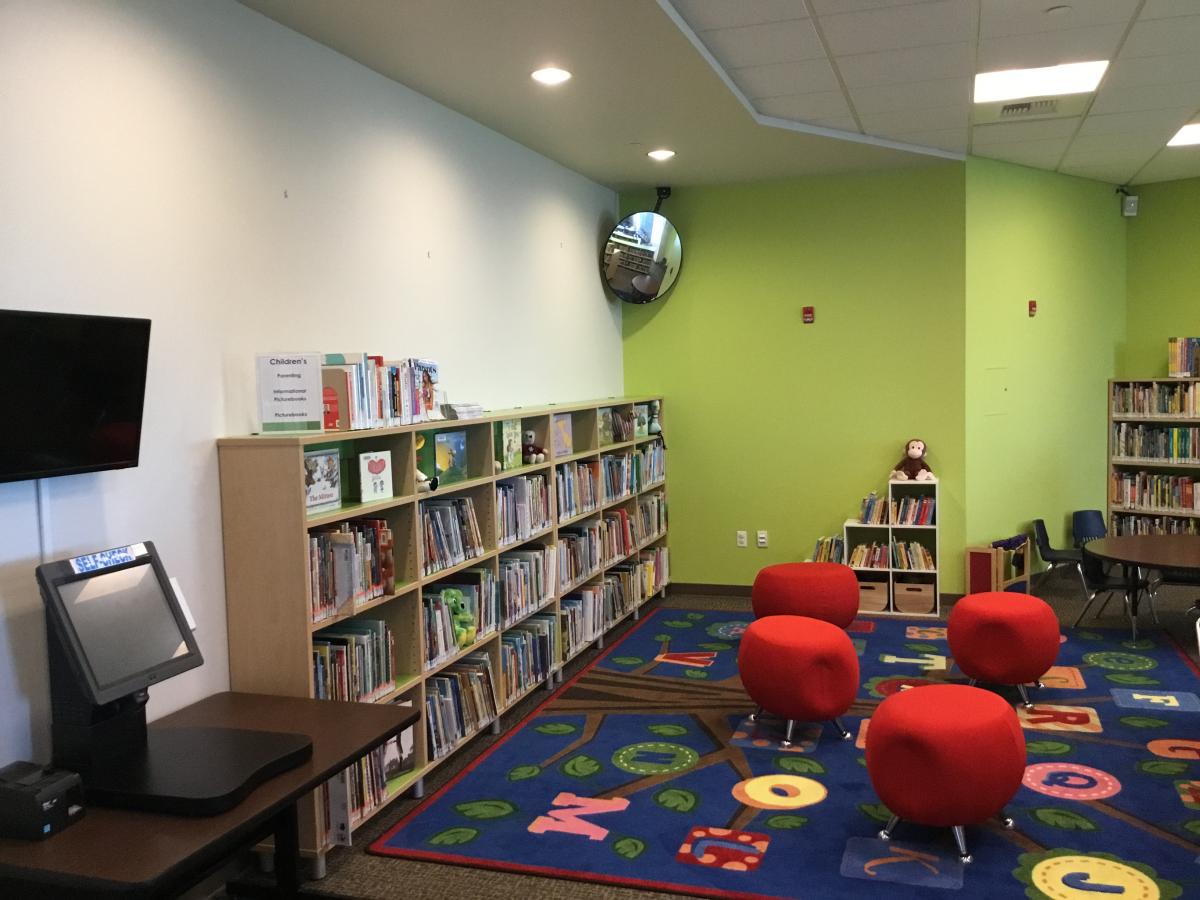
{"x": 145, "y": 855}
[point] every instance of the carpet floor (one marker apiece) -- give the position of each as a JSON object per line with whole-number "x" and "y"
{"x": 352, "y": 872}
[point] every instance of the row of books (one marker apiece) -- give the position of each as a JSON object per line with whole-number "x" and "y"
{"x": 616, "y": 427}
{"x": 1183, "y": 357}
{"x": 1142, "y": 441}
{"x": 363, "y": 787}
{"x": 913, "y": 511}
{"x": 1127, "y": 524}
{"x": 365, "y": 391}
{"x": 459, "y": 702}
{"x": 870, "y": 556}
{"x": 522, "y": 507}
{"x": 581, "y": 616}
{"x": 911, "y": 556}
{"x": 353, "y": 660}
{"x": 621, "y": 590}
{"x": 651, "y": 460}
{"x": 451, "y": 533}
{"x": 579, "y": 549}
{"x": 578, "y": 488}
{"x": 1155, "y": 399}
{"x": 528, "y": 653}
{"x": 616, "y": 536}
{"x": 618, "y": 473}
{"x": 527, "y": 580}
{"x": 1147, "y": 490}
{"x": 656, "y": 570}
{"x": 873, "y": 510}
{"x": 829, "y": 549}
{"x": 349, "y": 564}
{"x": 651, "y": 518}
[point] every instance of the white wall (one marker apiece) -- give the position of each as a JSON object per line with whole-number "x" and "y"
{"x": 250, "y": 190}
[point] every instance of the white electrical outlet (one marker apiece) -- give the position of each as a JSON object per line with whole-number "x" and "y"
{"x": 762, "y": 539}
{"x": 741, "y": 539}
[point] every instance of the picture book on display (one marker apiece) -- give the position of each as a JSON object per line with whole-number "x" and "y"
{"x": 508, "y": 438}
{"x": 322, "y": 481}
{"x": 561, "y": 438}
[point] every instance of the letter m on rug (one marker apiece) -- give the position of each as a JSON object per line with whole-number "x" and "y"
{"x": 570, "y": 820}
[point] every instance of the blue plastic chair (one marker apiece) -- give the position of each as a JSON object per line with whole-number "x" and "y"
{"x": 1087, "y": 525}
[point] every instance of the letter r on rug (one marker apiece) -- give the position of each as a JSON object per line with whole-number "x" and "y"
{"x": 570, "y": 821}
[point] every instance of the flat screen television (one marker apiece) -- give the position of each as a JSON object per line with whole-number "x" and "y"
{"x": 73, "y": 390}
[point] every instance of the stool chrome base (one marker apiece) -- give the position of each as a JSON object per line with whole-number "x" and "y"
{"x": 959, "y": 832}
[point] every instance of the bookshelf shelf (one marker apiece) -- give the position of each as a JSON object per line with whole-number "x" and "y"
{"x": 356, "y": 510}
{"x": 890, "y": 589}
{"x": 1156, "y": 462}
{"x": 1155, "y": 511}
{"x": 266, "y": 533}
{"x": 521, "y": 695}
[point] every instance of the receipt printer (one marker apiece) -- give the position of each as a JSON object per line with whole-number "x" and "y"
{"x": 36, "y": 802}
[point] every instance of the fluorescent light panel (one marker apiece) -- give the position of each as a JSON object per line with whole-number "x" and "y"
{"x": 1051, "y": 81}
{"x": 661, "y": 155}
{"x": 1186, "y": 136}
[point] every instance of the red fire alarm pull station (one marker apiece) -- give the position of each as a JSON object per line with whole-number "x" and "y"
{"x": 1032, "y": 308}
{"x": 809, "y": 314}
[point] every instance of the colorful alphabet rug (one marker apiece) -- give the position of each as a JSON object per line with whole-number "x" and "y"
{"x": 644, "y": 771}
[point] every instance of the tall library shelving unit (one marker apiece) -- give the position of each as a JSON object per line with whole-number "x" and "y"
{"x": 898, "y": 580}
{"x": 266, "y": 534}
{"x": 1154, "y": 456}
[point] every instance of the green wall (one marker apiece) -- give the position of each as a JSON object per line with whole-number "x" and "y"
{"x": 1164, "y": 275}
{"x": 1036, "y": 408}
{"x": 777, "y": 425}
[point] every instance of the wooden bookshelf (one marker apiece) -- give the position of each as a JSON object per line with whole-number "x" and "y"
{"x": 892, "y": 590}
{"x": 1146, "y": 483}
{"x": 266, "y": 530}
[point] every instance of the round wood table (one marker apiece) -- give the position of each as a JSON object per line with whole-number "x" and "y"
{"x": 1179, "y": 552}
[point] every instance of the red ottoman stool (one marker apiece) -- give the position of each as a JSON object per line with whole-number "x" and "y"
{"x": 826, "y": 591}
{"x": 1000, "y": 637}
{"x": 799, "y": 669}
{"x": 945, "y": 755}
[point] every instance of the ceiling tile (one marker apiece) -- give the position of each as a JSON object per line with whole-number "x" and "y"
{"x": 760, "y": 45}
{"x": 918, "y": 25}
{"x": 911, "y": 95}
{"x": 1049, "y": 48}
{"x": 935, "y": 119}
{"x": 805, "y": 76}
{"x": 910, "y": 64}
{"x": 1128, "y": 143}
{"x": 1161, "y": 9}
{"x": 1150, "y": 96}
{"x": 833, "y": 7}
{"x": 841, "y": 123}
{"x": 1006, "y": 18}
{"x": 803, "y": 107}
{"x": 1109, "y": 173}
{"x": 1019, "y": 132}
{"x": 1157, "y": 37}
{"x": 704, "y": 15}
{"x": 952, "y": 139}
{"x": 1171, "y": 164}
{"x": 1131, "y": 158}
{"x": 1143, "y": 121}
{"x": 1042, "y": 154}
{"x": 1141, "y": 70}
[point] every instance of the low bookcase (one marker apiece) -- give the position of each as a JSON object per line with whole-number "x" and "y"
{"x": 266, "y": 535}
{"x": 898, "y": 588}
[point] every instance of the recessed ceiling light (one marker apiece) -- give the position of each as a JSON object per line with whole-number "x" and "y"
{"x": 1186, "y": 136}
{"x": 550, "y": 75}
{"x": 661, "y": 155}
{"x": 1051, "y": 81}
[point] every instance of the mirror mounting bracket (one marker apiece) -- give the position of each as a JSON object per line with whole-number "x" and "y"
{"x": 664, "y": 192}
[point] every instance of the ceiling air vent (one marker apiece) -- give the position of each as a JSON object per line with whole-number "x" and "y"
{"x": 1029, "y": 110}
